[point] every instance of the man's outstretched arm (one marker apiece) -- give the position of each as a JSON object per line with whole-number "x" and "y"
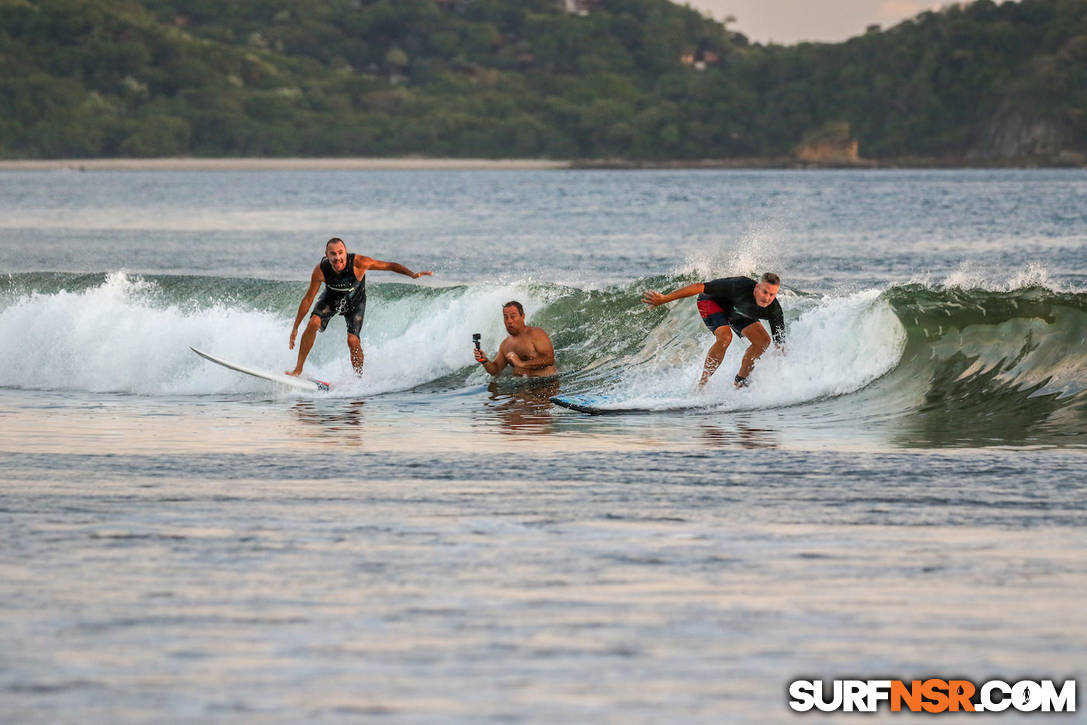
{"x": 653, "y": 298}
{"x": 364, "y": 263}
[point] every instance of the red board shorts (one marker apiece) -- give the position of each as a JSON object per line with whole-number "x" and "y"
{"x": 714, "y": 316}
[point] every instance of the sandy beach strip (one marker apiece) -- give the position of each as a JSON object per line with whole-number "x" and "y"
{"x": 275, "y": 164}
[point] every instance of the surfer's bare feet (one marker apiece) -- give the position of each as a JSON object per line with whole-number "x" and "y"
{"x": 293, "y": 373}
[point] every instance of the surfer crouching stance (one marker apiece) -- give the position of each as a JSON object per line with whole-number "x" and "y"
{"x": 733, "y": 303}
{"x": 344, "y": 277}
{"x": 527, "y": 349}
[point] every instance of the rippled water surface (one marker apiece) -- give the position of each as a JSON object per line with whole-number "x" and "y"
{"x": 900, "y": 494}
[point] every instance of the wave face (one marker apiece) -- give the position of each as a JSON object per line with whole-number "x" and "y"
{"x": 1003, "y": 367}
{"x": 938, "y": 364}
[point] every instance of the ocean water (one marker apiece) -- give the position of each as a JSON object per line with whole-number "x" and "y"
{"x": 901, "y": 493}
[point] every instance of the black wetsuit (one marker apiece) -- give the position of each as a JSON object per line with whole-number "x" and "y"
{"x": 731, "y": 301}
{"x": 344, "y": 293}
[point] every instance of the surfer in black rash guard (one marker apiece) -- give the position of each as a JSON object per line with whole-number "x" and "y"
{"x": 733, "y": 303}
{"x": 344, "y": 277}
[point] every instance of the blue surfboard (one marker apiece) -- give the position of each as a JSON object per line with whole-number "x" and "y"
{"x": 613, "y": 405}
{"x": 592, "y": 404}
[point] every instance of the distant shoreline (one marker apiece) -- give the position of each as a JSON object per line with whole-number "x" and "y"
{"x": 436, "y": 164}
{"x": 277, "y": 164}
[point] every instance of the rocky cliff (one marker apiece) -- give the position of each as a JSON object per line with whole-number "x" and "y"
{"x": 1015, "y": 132}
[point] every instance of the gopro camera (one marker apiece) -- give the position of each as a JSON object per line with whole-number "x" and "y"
{"x": 475, "y": 339}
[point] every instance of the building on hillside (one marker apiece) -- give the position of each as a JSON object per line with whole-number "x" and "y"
{"x": 699, "y": 59}
{"x": 577, "y": 7}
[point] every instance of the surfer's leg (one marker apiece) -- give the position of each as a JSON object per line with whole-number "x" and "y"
{"x": 354, "y": 315}
{"x": 306, "y": 343}
{"x": 355, "y": 345}
{"x": 716, "y": 353}
{"x": 759, "y": 338}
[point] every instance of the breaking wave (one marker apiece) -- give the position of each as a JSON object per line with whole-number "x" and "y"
{"x": 1002, "y": 364}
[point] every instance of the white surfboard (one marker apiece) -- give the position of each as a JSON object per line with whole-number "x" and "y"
{"x": 290, "y": 381}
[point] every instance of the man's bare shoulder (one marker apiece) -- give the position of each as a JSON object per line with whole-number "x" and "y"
{"x": 538, "y": 332}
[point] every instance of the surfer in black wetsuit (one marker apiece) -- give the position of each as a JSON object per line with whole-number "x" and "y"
{"x": 733, "y": 303}
{"x": 344, "y": 277}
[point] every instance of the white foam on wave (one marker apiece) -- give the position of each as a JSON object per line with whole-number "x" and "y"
{"x": 834, "y": 347}
{"x": 969, "y": 276}
{"x": 120, "y": 337}
{"x": 757, "y": 251}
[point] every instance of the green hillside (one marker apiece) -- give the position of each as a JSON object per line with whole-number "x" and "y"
{"x": 632, "y": 79}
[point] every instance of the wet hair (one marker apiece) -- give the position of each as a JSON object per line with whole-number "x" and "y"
{"x": 515, "y": 303}
{"x": 771, "y": 278}
{"x": 335, "y": 240}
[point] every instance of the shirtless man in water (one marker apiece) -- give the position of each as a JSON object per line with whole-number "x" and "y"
{"x": 733, "y": 305}
{"x": 344, "y": 278}
{"x": 527, "y": 349}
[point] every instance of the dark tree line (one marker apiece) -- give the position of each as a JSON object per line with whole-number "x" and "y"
{"x": 635, "y": 79}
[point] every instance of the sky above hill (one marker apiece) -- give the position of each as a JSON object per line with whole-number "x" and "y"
{"x": 791, "y": 21}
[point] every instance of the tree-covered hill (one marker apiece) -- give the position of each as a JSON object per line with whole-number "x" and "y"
{"x": 634, "y": 79}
